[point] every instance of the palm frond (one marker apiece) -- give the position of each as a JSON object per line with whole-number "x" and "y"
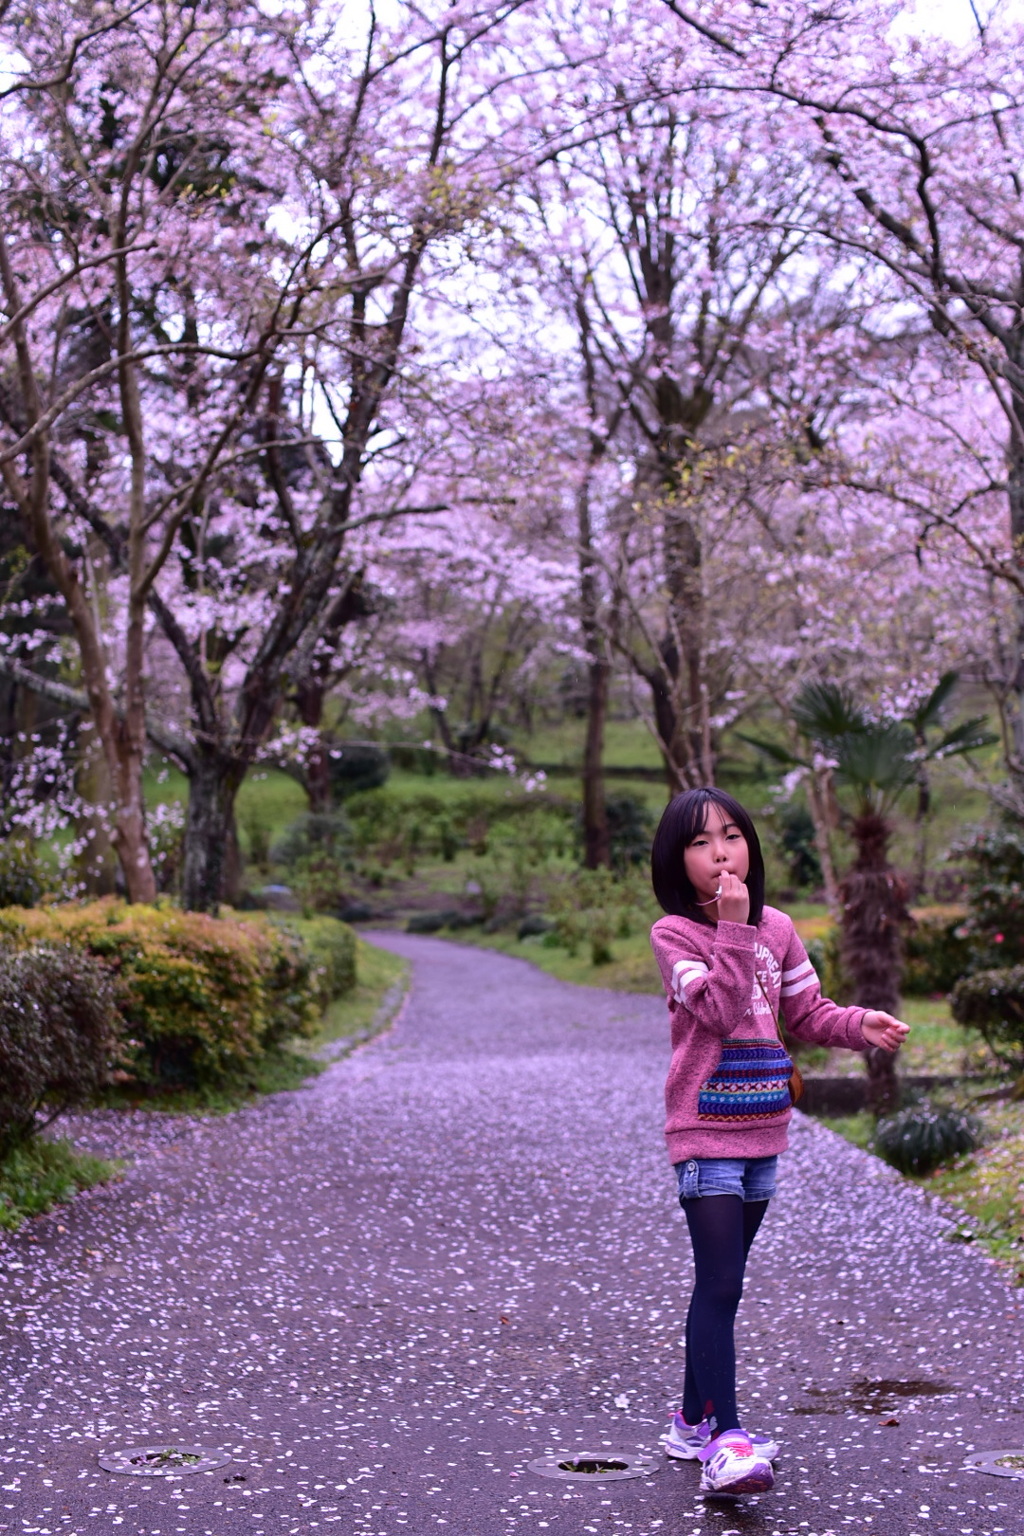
{"x": 968, "y": 737}
{"x": 928, "y": 711}
{"x": 876, "y": 763}
{"x": 826, "y": 712}
{"x": 773, "y": 750}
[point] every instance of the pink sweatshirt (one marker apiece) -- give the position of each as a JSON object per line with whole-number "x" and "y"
{"x": 727, "y": 1090}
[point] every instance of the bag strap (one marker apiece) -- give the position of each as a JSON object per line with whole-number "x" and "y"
{"x": 796, "y": 1081}
{"x": 771, "y": 1010}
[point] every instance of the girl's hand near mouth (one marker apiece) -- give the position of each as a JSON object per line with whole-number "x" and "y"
{"x": 733, "y": 899}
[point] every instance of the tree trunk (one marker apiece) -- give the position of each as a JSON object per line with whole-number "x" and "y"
{"x": 596, "y": 841}
{"x": 819, "y": 794}
{"x": 1015, "y": 497}
{"x": 129, "y": 837}
{"x": 309, "y": 700}
{"x": 210, "y": 834}
{"x": 874, "y": 917}
{"x": 96, "y": 864}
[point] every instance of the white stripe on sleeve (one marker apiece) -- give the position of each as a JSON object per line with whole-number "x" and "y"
{"x": 800, "y": 970}
{"x": 800, "y": 986}
{"x": 683, "y": 972}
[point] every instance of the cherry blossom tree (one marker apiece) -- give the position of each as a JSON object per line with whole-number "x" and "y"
{"x": 238, "y": 226}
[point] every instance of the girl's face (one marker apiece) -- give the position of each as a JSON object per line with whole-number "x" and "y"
{"x": 721, "y": 846}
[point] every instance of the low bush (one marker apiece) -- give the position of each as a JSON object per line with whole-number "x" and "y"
{"x": 393, "y": 828}
{"x": 316, "y": 850}
{"x": 936, "y": 952}
{"x": 630, "y": 831}
{"x": 795, "y": 832}
{"x": 21, "y": 875}
{"x": 992, "y": 1002}
{"x": 197, "y": 996}
{"x": 357, "y": 766}
{"x": 332, "y": 949}
{"x": 825, "y": 954}
{"x": 922, "y": 1137}
{"x": 994, "y": 927}
{"x": 58, "y": 1035}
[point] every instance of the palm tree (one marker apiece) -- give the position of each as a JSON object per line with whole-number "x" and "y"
{"x": 876, "y": 761}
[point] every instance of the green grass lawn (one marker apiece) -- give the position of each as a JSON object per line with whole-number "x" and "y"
{"x": 631, "y": 969}
{"x": 41, "y": 1174}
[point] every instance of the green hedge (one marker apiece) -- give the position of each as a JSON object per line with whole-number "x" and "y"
{"x": 58, "y": 1034}
{"x": 937, "y": 952}
{"x": 331, "y": 946}
{"x": 197, "y": 996}
{"x": 992, "y": 1002}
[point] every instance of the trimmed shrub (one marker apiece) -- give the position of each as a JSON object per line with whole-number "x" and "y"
{"x": 630, "y": 831}
{"x": 313, "y": 834}
{"x": 356, "y": 766}
{"x": 332, "y": 950}
{"x": 291, "y": 991}
{"x": 936, "y": 952}
{"x": 21, "y": 877}
{"x": 992, "y": 1002}
{"x": 58, "y": 1033}
{"x": 534, "y": 926}
{"x": 994, "y": 929}
{"x": 315, "y": 850}
{"x": 921, "y": 1137}
{"x": 198, "y": 996}
{"x": 796, "y": 839}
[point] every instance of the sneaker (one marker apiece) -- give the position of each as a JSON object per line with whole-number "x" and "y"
{"x": 686, "y": 1441}
{"x": 731, "y": 1465}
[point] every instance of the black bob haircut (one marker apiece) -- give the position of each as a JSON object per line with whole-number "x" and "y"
{"x": 684, "y": 819}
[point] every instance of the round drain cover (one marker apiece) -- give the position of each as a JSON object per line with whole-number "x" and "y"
{"x": 593, "y": 1466}
{"x": 163, "y": 1460}
{"x": 999, "y": 1463}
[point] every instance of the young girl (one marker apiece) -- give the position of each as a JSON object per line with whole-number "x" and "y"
{"x": 728, "y": 962}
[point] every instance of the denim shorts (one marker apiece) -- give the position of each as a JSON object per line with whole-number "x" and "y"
{"x": 752, "y": 1178}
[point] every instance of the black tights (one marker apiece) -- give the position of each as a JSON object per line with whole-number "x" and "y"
{"x": 722, "y": 1228}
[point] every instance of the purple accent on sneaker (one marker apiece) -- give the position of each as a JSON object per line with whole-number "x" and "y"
{"x": 684, "y": 1441}
{"x": 732, "y": 1466}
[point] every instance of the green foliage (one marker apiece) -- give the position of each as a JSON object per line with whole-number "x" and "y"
{"x": 332, "y": 949}
{"x": 316, "y": 850}
{"x": 825, "y": 954}
{"x": 57, "y": 1033}
{"x": 992, "y": 1002}
{"x": 39, "y": 1174}
{"x": 936, "y": 954}
{"x": 876, "y": 760}
{"x": 391, "y": 828}
{"x": 595, "y": 907}
{"x": 21, "y": 875}
{"x": 197, "y": 996}
{"x": 994, "y": 928}
{"x": 356, "y": 766}
{"x": 796, "y": 836}
{"x": 922, "y": 1136}
{"x": 630, "y": 831}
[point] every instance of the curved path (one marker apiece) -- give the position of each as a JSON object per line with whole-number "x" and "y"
{"x": 458, "y": 1250}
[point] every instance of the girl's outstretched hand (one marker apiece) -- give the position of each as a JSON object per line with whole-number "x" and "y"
{"x": 882, "y": 1029}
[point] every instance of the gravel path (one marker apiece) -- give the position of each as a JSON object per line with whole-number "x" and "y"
{"x": 459, "y": 1250}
